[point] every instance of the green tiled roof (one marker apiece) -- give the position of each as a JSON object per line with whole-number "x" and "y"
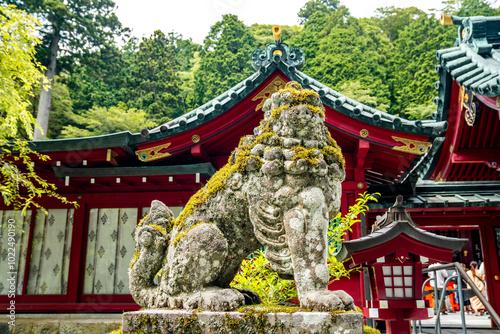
{"x": 474, "y": 61}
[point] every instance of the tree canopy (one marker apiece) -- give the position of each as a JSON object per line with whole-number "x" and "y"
{"x": 100, "y": 121}
{"x": 225, "y": 58}
{"x": 69, "y": 28}
{"x": 386, "y": 61}
{"x": 20, "y": 186}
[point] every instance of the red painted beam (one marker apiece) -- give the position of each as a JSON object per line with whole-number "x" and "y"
{"x": 475, "y": 156}
{"x": 361, "y": 153}
{"x": 199, "y": 152}
{"x": 455, "y": 121}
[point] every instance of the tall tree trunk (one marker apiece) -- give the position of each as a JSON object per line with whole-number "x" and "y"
{"x": 42, "y": 117}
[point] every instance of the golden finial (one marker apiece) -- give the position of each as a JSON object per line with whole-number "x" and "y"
{"x": 277, "y": 33}
{"x": 446, "y": 20}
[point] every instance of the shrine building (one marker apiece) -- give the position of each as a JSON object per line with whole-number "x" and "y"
{"x": 77, "y": 260}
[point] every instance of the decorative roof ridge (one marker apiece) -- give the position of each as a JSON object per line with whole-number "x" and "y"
{"x": 397, "y": 212}
{"x": 479, "y": 32}
{"x": 396, "y": 221}
{"x": 476, "y": 72}
{"x": 278, "y": 52}
{"x": 430, "y": 183}
{"x": 455, "y": 198}
{"x": 473, "y": 61}
{"x": 355, "y": 109}
{"x": 393, "y": 230}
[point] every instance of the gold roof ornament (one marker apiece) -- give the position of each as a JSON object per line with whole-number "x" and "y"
{"x": 277, "y": 33}
{"x": 446, "y": 20}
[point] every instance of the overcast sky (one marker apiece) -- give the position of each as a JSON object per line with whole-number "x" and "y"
{"x": 193, "y": 18}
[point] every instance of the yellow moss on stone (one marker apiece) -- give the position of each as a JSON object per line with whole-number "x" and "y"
{"x": 271, "y": 308}
{"x": 155, "y": 227}
{"x": 137, "y": 253}
{"x": 218, "y": 182}
{"x": 300, "y": 152}
{"x": 276, "y": 112}
{"x": 316, "y": 110}
{"x": 183, "y": 234}
{"x": 143, "y": 220}
{"x": 333, "y": 155}
{"x": 299, "y": 95}
{"x": 189, "y": 324}
{"x": 159, "y": 228}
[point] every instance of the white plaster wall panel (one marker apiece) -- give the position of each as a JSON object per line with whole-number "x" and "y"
{"x": 105, "y": 251}
{"x": 67, "y": 249}
{"x": 36, "y": 251}
{"x": 51, "y": 261}
{"x": 88, "y": 281}
{"x": 125, "y": 249}
{"x": 23, "y": 254}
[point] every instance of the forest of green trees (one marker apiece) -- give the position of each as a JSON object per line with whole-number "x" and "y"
{"x": 104, "y": 81}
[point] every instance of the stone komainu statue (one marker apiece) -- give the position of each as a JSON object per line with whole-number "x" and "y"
{"x": 279, "y": 189}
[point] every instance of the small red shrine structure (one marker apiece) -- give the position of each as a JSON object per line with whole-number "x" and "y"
{"x": 392, "y": 254}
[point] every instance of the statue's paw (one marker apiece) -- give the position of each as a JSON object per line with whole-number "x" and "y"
{"x": 218, "y": 300}
{"x": 161, "y": 300}
{"x": 322, "y": 300}
{"x": 346, "y": 299}
{"x": 151, "y": 243}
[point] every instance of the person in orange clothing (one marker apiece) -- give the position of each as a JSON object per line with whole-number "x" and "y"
{"x": 439, "y": 280}
{"x": 478, "y": 280}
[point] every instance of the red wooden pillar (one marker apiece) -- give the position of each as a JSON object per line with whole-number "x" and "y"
{"x": 492, "y": 269}
{"x": 399, "y": 325}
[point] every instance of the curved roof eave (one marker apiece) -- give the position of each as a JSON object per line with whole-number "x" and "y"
{"x": 391, "y": 231}
{"x": 366, "y": 114}
{"x": 119, "y": 139}
{"x": 329, "y": 97}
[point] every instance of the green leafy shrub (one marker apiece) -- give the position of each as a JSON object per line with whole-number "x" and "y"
{"x": 369, "y": 330}
{"x": 338, "y": 228}
{"x": 256, "y": 274}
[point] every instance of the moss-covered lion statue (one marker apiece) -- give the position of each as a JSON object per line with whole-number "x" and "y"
{"x": 279, "y": 190}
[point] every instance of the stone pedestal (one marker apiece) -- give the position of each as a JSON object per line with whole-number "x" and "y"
{"x": 257, "y": 321}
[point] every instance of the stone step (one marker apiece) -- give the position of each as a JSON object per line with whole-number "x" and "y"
{"x": 253, "y": 321}
{"x": 39, "y": 323}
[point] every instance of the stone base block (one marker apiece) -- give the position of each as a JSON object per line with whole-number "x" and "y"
{"x": 248, "y": 322}
{"x": 62, "y": 324}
